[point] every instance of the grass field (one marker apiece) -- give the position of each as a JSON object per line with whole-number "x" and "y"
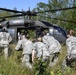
{"x": 13, "y": 65}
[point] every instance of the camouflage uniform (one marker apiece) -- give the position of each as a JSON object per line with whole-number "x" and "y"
{"x": 71, "y": 46}
{"x": 71, "y": 51}
{"x": 53, "y": 47}
{"x": 45, "y": 40}
{"x": 27, "y": 46}
{"x": 5, "y": 39}
{"x": 41, "y": 50}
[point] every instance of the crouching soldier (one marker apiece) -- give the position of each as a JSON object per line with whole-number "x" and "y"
{"x": 5, "y": 39}
{"x": 53, "y": 47}
{"x": 54, "y": 50}
{"x": 27, "y": 47}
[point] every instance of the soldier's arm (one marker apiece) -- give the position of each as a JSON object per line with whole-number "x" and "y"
{"x": 18, "y": 45}
{"x": 34, "y": 52}
{"x": 33, "y": 55}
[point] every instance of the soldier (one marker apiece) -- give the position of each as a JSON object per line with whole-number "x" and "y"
{"x": 53, "y": 47}
{"x": 71, "y": 48}
{"x": 5, "y": 39}
{"x": 27, "y": 47}
{"x": 40, "y": 50}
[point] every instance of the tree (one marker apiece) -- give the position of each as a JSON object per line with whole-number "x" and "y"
{"x": 63, "y": 15}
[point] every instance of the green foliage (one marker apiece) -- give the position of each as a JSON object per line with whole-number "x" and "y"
{"x": 41, "y": 68}
{"x": 32, "y": 34}
{"x": 13, "y": 65}
{"x": 63, "y": 15}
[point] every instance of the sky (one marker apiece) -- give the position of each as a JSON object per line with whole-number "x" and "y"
{"x": 20, "y": 4}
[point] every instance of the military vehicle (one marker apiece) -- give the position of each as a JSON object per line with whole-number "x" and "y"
{"x": 15, "y": 25}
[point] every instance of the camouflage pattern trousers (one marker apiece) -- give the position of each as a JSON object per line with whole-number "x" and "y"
{"x": 5, "y": 47}
{"x": 71, "y": 62}
{"x": 53, "y": 59}
{"x": 26, "y": 61}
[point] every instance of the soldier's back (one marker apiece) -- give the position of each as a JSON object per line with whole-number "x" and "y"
{"x": 41, "y": 48}
{"x": 27, "y": 46}
{"x": 71, "y": 44}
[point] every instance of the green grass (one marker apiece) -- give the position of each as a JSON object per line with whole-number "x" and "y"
{"x": 13, "y": 65}
{"x": 57, "y": 69}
